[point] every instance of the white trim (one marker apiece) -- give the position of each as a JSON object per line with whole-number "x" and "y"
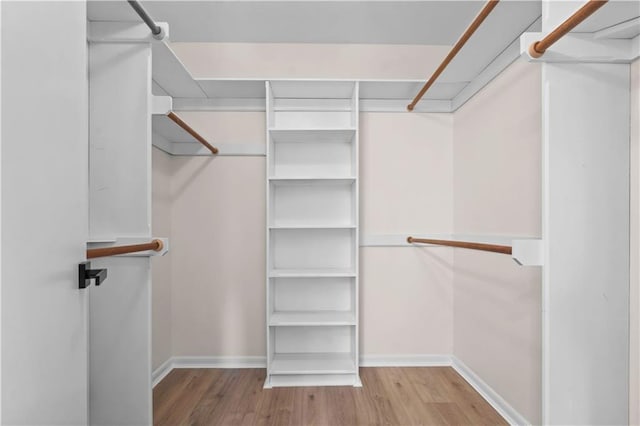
{"x": 161, "y": 372}
{"x": 206, "y": 362}
{"x": 400, "y": 105}
{"x": 405, "y": 361}
{"x": 196, "y": 149}
{"x": 219, "y": 104}
{"x": 488, "y": 393}
{"x": 219, "y": 362}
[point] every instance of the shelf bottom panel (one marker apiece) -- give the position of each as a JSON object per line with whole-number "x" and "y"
{"x": 274, "y": 380}
{"x": 312, "y": 363}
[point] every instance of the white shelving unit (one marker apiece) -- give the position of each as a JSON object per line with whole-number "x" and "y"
{"x": 312, "y": 233}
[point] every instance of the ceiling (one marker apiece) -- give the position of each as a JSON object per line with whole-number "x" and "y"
{"x": 362, "y": 22}
{"x": 379, "y": 22}
{"x": 307, "y": 21}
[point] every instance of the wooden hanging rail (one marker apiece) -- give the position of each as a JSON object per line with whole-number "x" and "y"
{"x": 463, "y": 244}
{"x": 155, "y": 245}
{"x": 192, "y": 132}
{"x": 486, "y": 10}
{"x": 538, "y": 48}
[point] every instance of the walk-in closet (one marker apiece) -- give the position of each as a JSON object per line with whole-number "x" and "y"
{"x": 338, "y": 213}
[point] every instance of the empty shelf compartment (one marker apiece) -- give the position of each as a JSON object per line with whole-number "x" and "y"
{"x": 322, "y": 153}
{"x": 312, "y": 202}
{"x": 312, "y": 363}
{"x": 312, "y": 273}
{"x": 312, "y": 248}
{"x": 312, "y": 318}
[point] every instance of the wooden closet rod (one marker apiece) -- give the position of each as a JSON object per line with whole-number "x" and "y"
{"x": 192, "y": 132}
{"x": 155, "y": 245}
{"x": 538, "y": 48}
{"x": 463, "y": 244}
{"x": 486, "y": 10}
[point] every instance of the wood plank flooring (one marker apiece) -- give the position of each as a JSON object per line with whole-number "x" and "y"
{"x": 389, "y": 396}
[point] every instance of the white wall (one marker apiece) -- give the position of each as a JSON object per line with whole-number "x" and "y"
{"x": 634, "y": 329}
{"x": 405, "y": 188}
{"x": 161, "y": 265}
{"x": 44, "y": 213}
{"x": 497, "y": 184}
{"x": 217, "y": 223}
{"x": 218, "y": 249}
{"x": 0, "y": 215}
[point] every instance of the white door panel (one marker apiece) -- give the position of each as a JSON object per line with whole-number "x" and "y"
{"x": 44, "y": 213}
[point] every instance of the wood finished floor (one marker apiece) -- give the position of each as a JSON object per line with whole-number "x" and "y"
{"x": 389, "y": 396}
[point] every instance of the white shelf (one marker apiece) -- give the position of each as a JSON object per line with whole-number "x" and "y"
{"x": 162, "y": 125}
{"x": 312, "y": 318}
{"x": 312, "y": 363}
{"x": 312, "y": 238}
{"x": 311, "y": 273}
{"x": 320, "y": 226}
{"x": 328, "y": 179}
{"x": 314, "y": 153}
{"x": 294, "y": 134}
{"x": 310, "y": 89}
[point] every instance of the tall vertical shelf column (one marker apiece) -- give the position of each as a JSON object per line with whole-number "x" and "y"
{"x": 312, "y": 233}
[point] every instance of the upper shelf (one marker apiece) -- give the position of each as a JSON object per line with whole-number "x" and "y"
{"x": 313, "y": 89}
{"x": 492, "y": 48}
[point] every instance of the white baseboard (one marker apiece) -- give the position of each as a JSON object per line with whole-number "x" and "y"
{"x": 161, "y": 372}
{"x": 219, "y": 362}
{"x": 405, "y": 361}
{"x": 491, "y": 396}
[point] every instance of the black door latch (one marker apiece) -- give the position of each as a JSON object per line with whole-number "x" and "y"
{"x": 86, "y": 274}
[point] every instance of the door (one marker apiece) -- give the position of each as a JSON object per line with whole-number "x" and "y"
{"x": 44, "y": 212}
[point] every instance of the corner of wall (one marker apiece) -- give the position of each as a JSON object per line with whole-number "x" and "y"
{"x": 497, "y": 192}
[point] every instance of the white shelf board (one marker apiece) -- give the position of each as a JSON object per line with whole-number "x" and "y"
{"x": 170, "y": 74}
{"x": 345, "y": 180}
{"x": 165, "y": 127}
{"x": 312, "y": 135}
{"x": 312, "y": 105}
{"x": 311, "y": 273}
{"x": 312, "y": 363}
{"x": 302, "y": 226}
{"x": 407, "y": 90}
{"x": 313, "y": 89}
{"x": 231, "y": 88}
{"x": 311, "y": 318}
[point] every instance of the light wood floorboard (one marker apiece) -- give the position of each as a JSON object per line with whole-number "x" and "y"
{"x": 389, "y": 396}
